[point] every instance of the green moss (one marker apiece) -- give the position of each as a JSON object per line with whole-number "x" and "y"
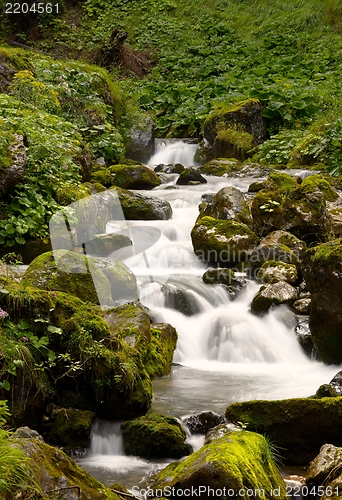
{"x": 220, "y": 167}
{"x": 299, "y": 426}
{"x": 240, "y": 460}
{"x": 69, "y": 276}
{"x": 102, "y": 176}
{"x": 134, "y": 177}
{"x": 313, "y": 182}
{"x": 157, "y": 355}
{"x": 154, "y": 436}
{"x": 50, "y": 464}
{"x": 68, "y": 193}
{"x": 231, "y": 108}
{"x": 240, "y": 140}
{"x": 70, "y": 427}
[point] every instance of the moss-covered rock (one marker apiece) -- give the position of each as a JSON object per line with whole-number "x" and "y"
{"x": 122, "y": 281}
{"x": 297, "y": 208}
{"x": 68, "y": 427}
{"x": 299, "y": 427}
{"x": 231, "y": 466}
{"x": 133, "y": 177}
{"x": 223, "y": 242}
{"x": 190, "y": 175}
{"x": 102, "y": 175}
{"x": 155, "y": 342}
{"x": 246, "y": 115}
{"x": 135, "y": 206}
{"x": 155, "y": 436}
{"x": 69, "y": 272}
{"x": 269, "y": 251}
{"x": 232, "y": 141}
{"x": 273, "y": 271}
{"x": 220, "y": 167}
{"x": 52, "y": 470}
{"x": 322, "y": 270}
{"x": 12, "y": 163}
{"x": 228, "y": 204}
{"x": 273, "y": 295}
{"x": 322, "y": 467}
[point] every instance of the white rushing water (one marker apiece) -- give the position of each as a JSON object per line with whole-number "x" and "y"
{"x": 224, "y": 353}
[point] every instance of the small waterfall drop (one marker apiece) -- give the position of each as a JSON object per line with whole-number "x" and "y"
{"x": 173, "y": 151}
{"x": 106, "y": 438}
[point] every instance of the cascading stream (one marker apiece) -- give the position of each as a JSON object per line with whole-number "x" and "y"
{"x": 224, "y": 353}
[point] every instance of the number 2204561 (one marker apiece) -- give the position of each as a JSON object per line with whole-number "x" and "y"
{"x": 36, "y": 8}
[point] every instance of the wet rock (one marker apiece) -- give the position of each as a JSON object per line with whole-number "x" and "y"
{"x": 322, "y": 270}
{"x": 175, "y": 168}
{"x": 133, "y": 177}
{"x": 180, "y": 299}
{"x": 136, "y": 206}
{"x": 326, "y": 391}
{"x": 222, "y": 242}
{"x": 155, "y": 436}
{"x": 303, "y": 334}
{"x": 201, "y": 423}
{"x": 221, "y": 167}
{"x": 140, "y": 141}
{"x": 302, "y": 306}
{"x": 122, "y": 281}
{"x": 274, "y": 271}
{"x": 234, "y": 462}
{"x": 273, "y": 295}
{"x": 226, "y": 277}
{"x": 299, "y": 427}
{"x": 102, "y": 245}
{"x": 220, "y": 431}
{"x": 328, "y": 460}
{"x": 190, "y": 174}
{"x": 336, "y": 383}
{"x": 228, "y": 204}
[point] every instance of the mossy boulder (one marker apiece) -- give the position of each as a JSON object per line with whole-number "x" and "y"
{"x": 273, "y": 295}
{"x": 232, "y": 141}
{"x": 298, "y": 427}
{"x": 155, "y": 342}
{"x": 245, "y": 115}
{"x": 299, "y": 208}
{"x": 222, "y": 242}
{"x": 170, "y": 168}
{"x": 136, "y": 206}
{"x": 102, "y": 245}
{"x": 220, "y": 167}
{"x": 273, "y": 271}
{"x": 279, "y": 246}
{"x": 122, "y": 281}
{"x": 190, "y": 175}
{"x": 155, "y": 436}
{"x": 230, "y": 466}
{"x": 69, "y": 272}
{"x": 68, "y": 427}
{"x": 133, "y": 177}
{"x": 228, "y": 204}
{"x": 101, "y": 175}
{"x": 322, "y": 270}
{"x": 52, "y": 470}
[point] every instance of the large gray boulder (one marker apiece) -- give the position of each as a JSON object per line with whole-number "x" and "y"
{"x": 228, "y": 204}
{"x": 140, "y": 141}
{"x": 12, "y": 174}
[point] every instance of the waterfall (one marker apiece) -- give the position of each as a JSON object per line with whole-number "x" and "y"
{"x": 173, "y": 151}
{"x": 106, "y": 438}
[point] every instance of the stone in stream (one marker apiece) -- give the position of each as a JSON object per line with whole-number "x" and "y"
{"x": 299, "y": 426}
{"x": 273, "y": 295}
{"x": 52, "y": 470}
{"x": 222, "y": 242}
{"x": 133, "y": 177}
{"x": 326, "y": 469}
{"x": 189, "y": 175}
{"x": 136, "y": 206}
{"x": 228, "y": 204}
{"x": 226, "y": 277}
{"x": 155, "y": 436}
{"x": 322, "y": 271}
{"x": 171, "y": 168}
{"x": 240, "y": 461}
{"x": 274, "y": 271}
{"x": 200, "y": 423}
{"x": 140, "y": 141}
{"x": 299, "y": 208}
